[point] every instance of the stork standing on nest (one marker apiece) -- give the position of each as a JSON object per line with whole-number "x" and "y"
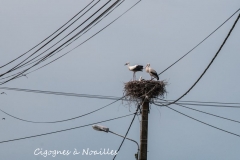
{"x": 152, "y": 72}
{"x": 134, "y": 68}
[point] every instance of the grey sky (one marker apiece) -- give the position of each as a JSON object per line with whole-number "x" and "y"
{"x": 156, "y": 32}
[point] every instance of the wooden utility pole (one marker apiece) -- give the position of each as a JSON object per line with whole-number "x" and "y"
{"x": 144, "y": 131}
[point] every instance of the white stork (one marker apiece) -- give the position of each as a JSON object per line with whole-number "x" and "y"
{"x": 152, "y": 72}
{"x": 141, "y": 79}
{"x": 134, "y": 68}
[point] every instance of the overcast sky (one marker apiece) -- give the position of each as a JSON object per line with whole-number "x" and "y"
{"x": 156, "y": 32}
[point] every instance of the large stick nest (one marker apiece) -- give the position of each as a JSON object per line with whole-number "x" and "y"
{"x": 136, "y": 91}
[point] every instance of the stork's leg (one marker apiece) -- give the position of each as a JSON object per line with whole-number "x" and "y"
{"x": 152, "y": 78}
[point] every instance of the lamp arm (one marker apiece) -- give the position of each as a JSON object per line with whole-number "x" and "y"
{"x": 126, "y": 138}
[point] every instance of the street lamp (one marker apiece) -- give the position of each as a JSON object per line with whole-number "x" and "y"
{"x": 105, "y": 129}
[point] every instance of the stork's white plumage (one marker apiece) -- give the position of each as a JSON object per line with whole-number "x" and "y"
{"x": 141, "y": 79}
{"x": 152, "y": 72}
{"x": 134, "y": 68}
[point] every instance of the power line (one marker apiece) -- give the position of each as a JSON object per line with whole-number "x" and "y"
{"x": 63, "y": 37}
{"x": 200, "y": 121}
{"x": 209, "y": 63}
{"x": 43, "y": 58}
{"x": 199, "y": 42}
{"x": 64, "y": 129}
{"x": 47, "y": 37}
{"x": 203, "y": 102}
{"x": 74, "y": 39}
{"x": 85, "y": 40}
{"x": 207, "y": 113}
{"x": 197, "y": 103}
{"x": 60, "y": 93}
{"x": 30, "y": 121}
{"x": 47, "y": 42}
{"x": 69, "y": 119}
{"x": 209, "y": 105}
{"x": 29, "y": 63}
{"x": 127, "y": 131}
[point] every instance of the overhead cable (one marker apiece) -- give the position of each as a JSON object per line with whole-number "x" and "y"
{"x": 82, "y": 42}
{"x": 16, "y": 67}
{"x": 197, "y": 103}
{"x": 57, "y": 47}
{"x": 207, "y": 113}
{"x": 33, "y": 61}
{"x": 74, "y": 39}
{"x": 47, "y": 37}
{"x": 64, "y": 130}
{"x": 127, "y": 131}
{"x": 209, "y": 63}
{"x": 59, "y": 121}
{"x": 201, "y": 121}
{"x": 200, "y": 42}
